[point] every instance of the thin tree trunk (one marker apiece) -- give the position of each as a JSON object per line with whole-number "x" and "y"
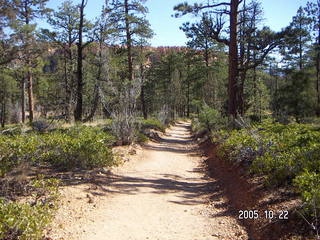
{"x": 3, "y": 111}
{"x": 129, "y": 41}
{"x": 67, "y": 89}
{"x": 23, "y": 104}
{"x": 242, "y": 74}
{"x": 79, "y": 106}
{"x": 188, "y": 98}
{"x": 233, "y": 60}
{"x": 143, "y": 102}
{"x": 318, "y": 66}
{"x": 28, "y": 62}
{"x": 30, "y": 95}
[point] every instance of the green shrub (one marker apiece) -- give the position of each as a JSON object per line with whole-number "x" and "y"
{"x": 210, "y": 118}
{"x": 308, "y": 184}
{"x": 81, "y": 147}
{"x": 141, "y": 138}
{"x": 77, "y": 147}
{"x": 152, "y": 123}
{"x": 13, "y": 129}
{"x": 195, "y": 124}
{"x": 27, "y": 220}
{"x": 284, "y": 154}
{"x": 16, "y": 149}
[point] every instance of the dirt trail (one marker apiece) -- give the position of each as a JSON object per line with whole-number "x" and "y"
{"x": 162, "y": 193}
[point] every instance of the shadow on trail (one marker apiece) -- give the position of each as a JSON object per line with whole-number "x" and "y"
{"x": 191, "y": 191}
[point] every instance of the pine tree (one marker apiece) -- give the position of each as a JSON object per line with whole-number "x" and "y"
{"x": 129, "y": 19}
{"x": 26, "y": 12}
{"x": 65, "y": 33}
{"x": 297, "y": 41}
{"x": 313, "y": 10}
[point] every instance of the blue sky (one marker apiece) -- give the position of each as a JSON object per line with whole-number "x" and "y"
{"x": 278, "y": 13}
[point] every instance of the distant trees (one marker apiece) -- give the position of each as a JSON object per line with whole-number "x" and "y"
{"x": 128, "y": 17}
{"x": 64, "y": 23}
{"x": 82, "y": 70}
{"x": 26, "y": 12}
{"x": 299, "y": 66}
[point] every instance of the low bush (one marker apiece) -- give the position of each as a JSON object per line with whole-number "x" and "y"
{"x": 208, "y": 118}
{"x": 77, "y": 147}
{"x": 17, "y": 149}
{"x": 284, "y": 154}
{"x": 13, "y": 129}
{"x": 27, "y": 220}
{"x": 153, "y": 124}
{"x": 141, "y": 138}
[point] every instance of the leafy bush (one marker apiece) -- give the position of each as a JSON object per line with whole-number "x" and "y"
{"x": 210, "y": 118}
{"x": 27, "y": 220}
{"x": 152, "y": 123}
{"x": 195, "y": 124}
{"x": 16, "y": 149}
{"x": 80, "y": 146}
{"x": 284, "y": 154}
{"x": 141, "y": 138}
{"x": 308, "y": 184}
{"x": 11, "y": 129}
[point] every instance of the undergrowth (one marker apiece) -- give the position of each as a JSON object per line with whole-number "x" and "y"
{"x": 152, "y": 123}
{"x": 76, "y": 147}
{"x": 284, "y": 154}
{"x": 26, "y": 219}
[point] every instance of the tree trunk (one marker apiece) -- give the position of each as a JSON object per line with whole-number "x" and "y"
{"x": 79, "y": 105}
{"x": 67, "y": 86}
{"x": 242, "y": 78}
{"x": 30, "y": 95}
{"x": 3, "y": 111}
{"x": 129, "y": 41}
{"x": 23, "y": 104}
{"x": 241, "y": 60}
{"x": 233, "y": 60}
{"x": 28, "y": 62}
{"x": 188, "y": 92}
{"x": 318, "y": 66}
{"x": 143, "y": 103}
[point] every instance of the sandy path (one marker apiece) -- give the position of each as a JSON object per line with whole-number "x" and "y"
{"x": 162, "y": 194}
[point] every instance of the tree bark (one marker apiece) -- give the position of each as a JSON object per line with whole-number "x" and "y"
{"x": 143, "y": 102}
{"x": 233, "y": 60}
{"x": 188, "y": 98}
{"x": 3, "y": 111}
{"x": 318, "y": 67}
{"x": 28, "y": 63}
{"x": 79, "y": 105}
{"x": 23, "y": 104}
{"x": 30, "y": 94}
{"x": 67, "y": 83}
{"x": 129, "y": 41}
{"x": 142, "y": 93}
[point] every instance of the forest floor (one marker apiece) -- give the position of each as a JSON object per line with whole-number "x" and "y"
{"x": 164, "y": 191}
